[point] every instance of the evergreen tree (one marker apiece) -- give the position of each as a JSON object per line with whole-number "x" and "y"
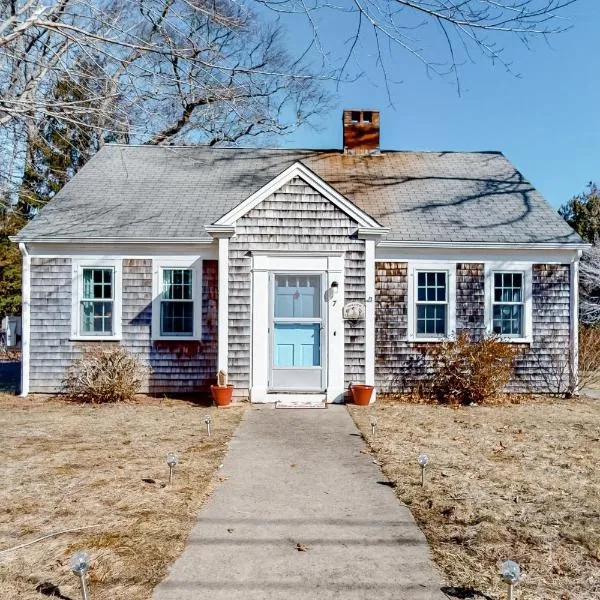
{"x": 10, "y": 266}
{"x": 56, "y": 150}
{"x": 582, "y": 213}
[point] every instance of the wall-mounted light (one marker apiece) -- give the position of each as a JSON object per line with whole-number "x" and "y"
{"x": 334, "y": 287}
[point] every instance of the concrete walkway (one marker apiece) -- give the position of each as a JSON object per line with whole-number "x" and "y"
{"x": 299, "y": 477}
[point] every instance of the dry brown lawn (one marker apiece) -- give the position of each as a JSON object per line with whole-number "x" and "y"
{"x": 515, "y": 481}
{"x": 66, "y": 465}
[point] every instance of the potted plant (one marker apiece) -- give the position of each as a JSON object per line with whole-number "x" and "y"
{"x": 361, "y": 394}
{"x": 223, "y": 391}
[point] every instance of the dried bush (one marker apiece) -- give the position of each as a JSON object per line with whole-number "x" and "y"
{"x": 466, "y": 370}
{"x": 103, "y": 375}
{"x": 589, "y": 356}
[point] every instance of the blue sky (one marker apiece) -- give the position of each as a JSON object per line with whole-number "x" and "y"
{"x": 547, "y": 121}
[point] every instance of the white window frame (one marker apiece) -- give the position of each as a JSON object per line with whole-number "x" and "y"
{"x": 78, "y": 265}
{"x": 450, "y": 270}
{"x": 158, "y": 266}
{"x": 510, "y": 267}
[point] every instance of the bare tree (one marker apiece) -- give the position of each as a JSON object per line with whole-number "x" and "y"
{"x": 589, "y": 286}
{"x": 153, "y": 71}
{"x": 466, "y": 27}
{"x": 212, "y": 71}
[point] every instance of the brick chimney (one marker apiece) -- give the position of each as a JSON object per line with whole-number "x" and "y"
{"x": 361, "y": 132}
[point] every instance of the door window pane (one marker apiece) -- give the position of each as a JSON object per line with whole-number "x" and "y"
{"x": 297, "y": 296}
{"x": 297, "y": 345}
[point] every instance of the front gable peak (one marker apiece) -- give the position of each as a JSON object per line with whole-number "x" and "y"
{"x": 367, "y": 226}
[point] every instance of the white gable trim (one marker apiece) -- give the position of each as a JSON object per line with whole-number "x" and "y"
{"x": 299, "y": 170}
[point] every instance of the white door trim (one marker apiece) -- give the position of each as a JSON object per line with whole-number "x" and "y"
{"x": 333, "y": 267}
{"x": 323, "y": 341}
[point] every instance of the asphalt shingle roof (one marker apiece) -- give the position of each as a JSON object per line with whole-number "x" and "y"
{"x": 172, "y": 193}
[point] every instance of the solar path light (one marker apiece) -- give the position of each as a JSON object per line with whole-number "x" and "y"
{"x": 423, "y": 462}
{"x": 373, "y": 425}
{"x": 208, "y": 422}
{"x": 80, "y": 565}
{"x": 511, "y": 573}
{"x": 172, "y": 460}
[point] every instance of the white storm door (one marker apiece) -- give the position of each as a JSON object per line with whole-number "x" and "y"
{"x": 297, "y": 329}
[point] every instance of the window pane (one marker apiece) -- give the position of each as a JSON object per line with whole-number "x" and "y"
{"x": 97, "y": 284}
{"x": 297, "y": 345}
{"x": 177, "y": 318}
{"x": 508, "y": 287}
{"x": 508, "y": 319}
{"x": 297, "y": 296}
{"x": 177, "y": 284}
{"x": 431, "y": 319}
{"x": 431, "y": 286}
{"x": 96, "y": 317}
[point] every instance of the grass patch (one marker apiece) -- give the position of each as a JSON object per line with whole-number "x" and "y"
{"x": 515, "y": 481}
{"x": 68, "y": 465}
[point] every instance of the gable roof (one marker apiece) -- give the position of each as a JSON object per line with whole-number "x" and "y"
{"x": 298, "y": 170}
{"x": 163, "y": 193}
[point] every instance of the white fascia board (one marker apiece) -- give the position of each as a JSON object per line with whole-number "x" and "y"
{"x": 509, "y": 253}
{"x": 304, "y": 173}
{"x": 110, "y": 240}
{"x": 484, "y": 245}
{"x": 120, "y": 250}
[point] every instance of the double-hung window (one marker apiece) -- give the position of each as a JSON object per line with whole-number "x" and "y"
{"x": 96, "y": 306}
{"x": 509, "y": 301}
{"x": 97, "y": 301}
{"x": 177, "y": 304}
{"x": 431, "y": 302}
{"x": 508, "y": 304}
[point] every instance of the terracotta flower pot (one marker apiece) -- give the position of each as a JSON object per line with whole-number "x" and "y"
{"x": 221, "y": 394}
{"x": 361, "y": 394}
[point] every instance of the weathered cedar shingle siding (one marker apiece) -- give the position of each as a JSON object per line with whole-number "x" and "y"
{"x": 186, "y": 367}
{"x": 176, "y": 366}
{"x": 296, "y": 217}
{"x": 399, "y": 365}
{"x": 470, "y": 298}
{"x": 51, "y": 352}
{"x": 544, "y": 365}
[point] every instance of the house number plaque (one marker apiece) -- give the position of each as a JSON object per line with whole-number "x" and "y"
{"x": 354, "y": 311}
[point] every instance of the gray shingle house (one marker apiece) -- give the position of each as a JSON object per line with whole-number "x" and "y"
{"x": 296, "y": 271}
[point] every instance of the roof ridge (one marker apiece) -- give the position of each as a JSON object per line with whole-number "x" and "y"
{"x": 260, "y": 148}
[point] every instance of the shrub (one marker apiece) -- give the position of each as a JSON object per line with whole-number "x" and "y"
{"x": 466, "y": 370}
{"x": 102, "y": 375}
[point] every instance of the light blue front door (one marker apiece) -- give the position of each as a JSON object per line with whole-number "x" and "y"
{"x": 297, "y": 326}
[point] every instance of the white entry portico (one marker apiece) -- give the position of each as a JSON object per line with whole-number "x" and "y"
{"x": 272, "y": 378}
